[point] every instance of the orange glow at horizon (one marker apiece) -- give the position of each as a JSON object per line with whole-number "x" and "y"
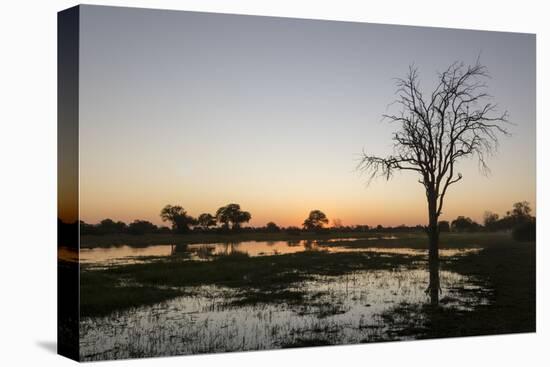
{"x": 396, "y": 206}
{"x": 275, "y": 117}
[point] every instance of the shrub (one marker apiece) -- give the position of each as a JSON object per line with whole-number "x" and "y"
{"x": 272, "y": 227}
{"x": 444, "y": 226}
{"x": 525, "y": 232}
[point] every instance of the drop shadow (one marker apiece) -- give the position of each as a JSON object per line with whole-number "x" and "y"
{"x": 48, "y": 345}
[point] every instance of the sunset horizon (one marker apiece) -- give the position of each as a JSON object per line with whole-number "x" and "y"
{"x": 234, "y": 183}
{"x": 280, "y": 138}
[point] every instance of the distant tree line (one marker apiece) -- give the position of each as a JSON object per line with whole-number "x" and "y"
{"x": 230, "y": 219}
{"x": 520, "y": 215}
{"x": 227, "y": 218}
{"x": 108, "y": 226}
{"x": 518, "y": 220}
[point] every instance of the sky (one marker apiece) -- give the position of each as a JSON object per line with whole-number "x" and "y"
{"x": 203, "y": 110}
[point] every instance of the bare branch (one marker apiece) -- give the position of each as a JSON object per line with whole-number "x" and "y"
{"x": 455, "y": 121}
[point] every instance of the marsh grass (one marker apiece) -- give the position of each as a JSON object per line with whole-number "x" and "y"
{"x": 420, "y": 241}
{"x": 102, "y": 294}
{"x": 505, "y": 266}
{"x": 509, "y": 268}
{"x": 260, "y": 279}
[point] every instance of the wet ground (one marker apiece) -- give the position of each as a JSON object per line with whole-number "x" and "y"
{"x": 351, "y": 308}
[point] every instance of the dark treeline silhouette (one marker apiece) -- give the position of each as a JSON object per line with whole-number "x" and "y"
{"x": 520, "y": 213}
{"x": 229, "y": 219}
{"x": 465, "y": 224}
{"x": 137, "y": 227}
{"x": 517, "y": 219}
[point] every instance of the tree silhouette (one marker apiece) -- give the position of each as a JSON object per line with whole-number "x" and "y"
{"x": 437, "y": 130}
{"x": 178, "y": 217}
{"x": 315, "y": 221}
{"x": 490, "y": 221}
{"x": 206, "y": 220}
{"x": 232, "y": 214}
{"x": 521, "y": 211}
{"x": 272, "y": 227}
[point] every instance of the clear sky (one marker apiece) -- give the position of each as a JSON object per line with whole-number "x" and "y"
{"x": 203, "y": 110}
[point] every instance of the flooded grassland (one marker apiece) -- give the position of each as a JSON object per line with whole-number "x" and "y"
{"x": 254, "y": 295}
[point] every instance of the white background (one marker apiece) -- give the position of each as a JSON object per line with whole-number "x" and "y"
{"x": 28, "y": 181}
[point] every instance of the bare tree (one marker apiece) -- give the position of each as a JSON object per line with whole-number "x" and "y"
{"x": 437, "y": 130}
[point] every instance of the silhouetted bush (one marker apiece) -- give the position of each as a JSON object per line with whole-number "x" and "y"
{"x": 109, "y": 226}
{"x": 88, "y": 229}
{"x": 272, "y": 227}
{"x": 520, "y": 214}
{"x": 139, "y": 227}
{"x": 444, "y": 226}
{"x": 322, "y": 230}
{"x": 163, "y": 230}
{"x": 526, "y": 231}
{"x": 464, "y": 224}
{"x": 293, "y": 231}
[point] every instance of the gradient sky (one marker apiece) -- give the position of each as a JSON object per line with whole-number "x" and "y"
{"x": 203, "y": 110}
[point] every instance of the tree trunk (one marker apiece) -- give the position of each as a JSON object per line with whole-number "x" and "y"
{"x": 433, "y": 253}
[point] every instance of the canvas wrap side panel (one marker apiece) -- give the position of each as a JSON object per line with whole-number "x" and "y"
{"x": 68, "y": 24}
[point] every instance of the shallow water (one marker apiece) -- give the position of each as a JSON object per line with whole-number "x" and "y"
{"x": 353, "y": 308}
{"x": 122, "y": 254}
{"x": 119, "y": 255}
{"x": 335, "y": 310}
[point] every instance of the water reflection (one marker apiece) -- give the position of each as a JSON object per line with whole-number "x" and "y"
{"x": 450, "y": 252}
{"x": 335, "y": 310}
{"x": 118, "y": 255}
{"x": 121, "y": 255}
{"x": 67, "y": 254}
{"x": 258, "y": 248}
